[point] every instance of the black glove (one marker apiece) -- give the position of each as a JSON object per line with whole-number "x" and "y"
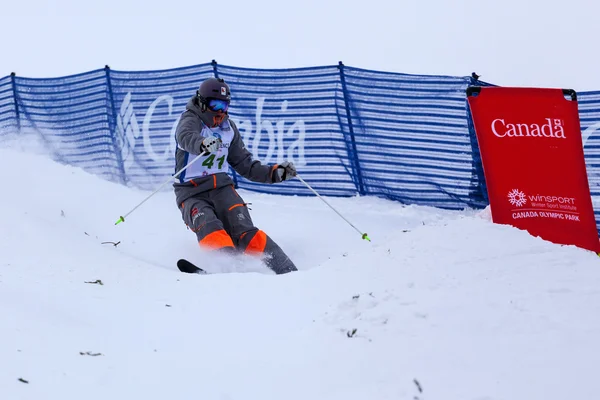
{"x": 285, "y": 171}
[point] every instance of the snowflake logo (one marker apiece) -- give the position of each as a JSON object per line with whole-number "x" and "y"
{"x": 517, "y": 198}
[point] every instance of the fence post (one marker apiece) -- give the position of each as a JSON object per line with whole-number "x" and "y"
{"x": 233, "y": 173}
{"x": 361, "y": 188}
{"x": 478, "y": 196}
{"x": 112, "y": 123}
{"x": 14, "y": 90}
{"x": 215, "y": 72}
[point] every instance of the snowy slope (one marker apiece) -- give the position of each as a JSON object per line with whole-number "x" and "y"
{"x": 468, "y": 309}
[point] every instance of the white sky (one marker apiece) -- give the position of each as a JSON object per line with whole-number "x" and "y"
{"x": 552, "y": 43}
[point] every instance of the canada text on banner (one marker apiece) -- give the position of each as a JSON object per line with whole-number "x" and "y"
{"x": 532, "y": 154}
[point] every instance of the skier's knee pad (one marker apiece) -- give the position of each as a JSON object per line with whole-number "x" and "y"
{"x": 259, "y": 243}
{"x": 253, "y": 241}
{"x": 214, "y": 237}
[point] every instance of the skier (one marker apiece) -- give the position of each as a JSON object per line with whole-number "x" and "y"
{"x": 205, "y": 195}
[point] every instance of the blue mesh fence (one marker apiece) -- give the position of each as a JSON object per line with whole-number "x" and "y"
{"x": 412, "y": 137}
{"x": 293, "y": 114}
{"x": 8, "y": 114}
{"x": 350, "y": 131}
{"x": 69, "y": 116}
{"x": 589, "y": 116}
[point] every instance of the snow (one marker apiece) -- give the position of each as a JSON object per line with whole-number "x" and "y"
{"x": 446, "y": 301}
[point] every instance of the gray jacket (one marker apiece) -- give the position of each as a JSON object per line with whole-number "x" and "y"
{"x": 239, "y": 158}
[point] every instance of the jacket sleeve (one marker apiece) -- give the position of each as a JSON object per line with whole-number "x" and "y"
{"x": 241, "y": 161}
{"x": 188, "y": 133}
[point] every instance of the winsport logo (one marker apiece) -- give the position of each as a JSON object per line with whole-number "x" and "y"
{"x": 517, "y": 198}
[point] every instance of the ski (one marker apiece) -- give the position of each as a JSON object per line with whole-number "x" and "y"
{"x": 189, "y": 268}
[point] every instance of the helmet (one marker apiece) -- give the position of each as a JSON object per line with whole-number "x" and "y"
{"x": 213, "y": 97}
{"x": 214, "y": 88}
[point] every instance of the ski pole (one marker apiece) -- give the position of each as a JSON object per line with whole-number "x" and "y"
{"x": 122, "y": 218}
{"x": 364, "y": 235}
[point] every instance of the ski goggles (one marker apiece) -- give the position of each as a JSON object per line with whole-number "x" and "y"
{"x": 217, "y": 105}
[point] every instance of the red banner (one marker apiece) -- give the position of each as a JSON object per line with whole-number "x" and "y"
{"x": 532, "y": 154}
